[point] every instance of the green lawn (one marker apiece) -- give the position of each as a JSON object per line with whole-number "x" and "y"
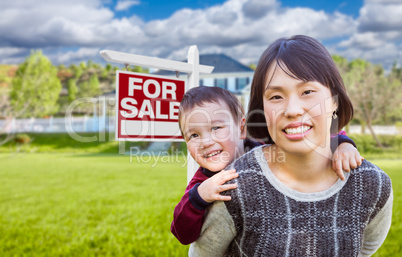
{"x": 88, "y": 205}
{"x": 103, "y": 205}
{"x": 393, "y": 244}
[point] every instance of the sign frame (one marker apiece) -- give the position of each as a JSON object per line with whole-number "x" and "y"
{"x": 192, "y": 68}
{"x": 150, "y": 123}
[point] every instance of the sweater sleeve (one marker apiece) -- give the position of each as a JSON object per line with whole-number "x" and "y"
{"x": 340, "y": 138}
{"x": 376, "y": 231}
{"x": 188, "y": 216}
{"x": 217, "y": 233}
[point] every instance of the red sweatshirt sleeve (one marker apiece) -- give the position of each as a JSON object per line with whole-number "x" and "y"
{"x": 187, "y": 220}
{"x": 340, "y": 138}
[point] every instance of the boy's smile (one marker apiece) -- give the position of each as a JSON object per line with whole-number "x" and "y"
{"x": 213, "y": 138}
{"x": 211, "y": 154}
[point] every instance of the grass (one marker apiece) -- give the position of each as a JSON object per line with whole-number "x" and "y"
{"x": 103, "y": 205}
{"x": 88, "y": 205}
{"x": 64, "y": 143}
{"x": 393, "y": 243}
{"x": 105, "y": 143}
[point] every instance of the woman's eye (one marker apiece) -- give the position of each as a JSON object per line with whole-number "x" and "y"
{"x": 216, "y": 128}
{"x": 275, "y": 97}
{"x": 307, "y": 92}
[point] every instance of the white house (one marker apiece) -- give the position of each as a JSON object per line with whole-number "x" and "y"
{"x": 228, "y": 74}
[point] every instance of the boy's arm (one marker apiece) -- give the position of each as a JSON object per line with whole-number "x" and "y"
{"x": 188, "y": 215}
{"x": 337, "y": 140}
{"x": 345, "y": 154}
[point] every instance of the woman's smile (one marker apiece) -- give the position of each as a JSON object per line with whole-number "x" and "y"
{"x": 297, "y": 133}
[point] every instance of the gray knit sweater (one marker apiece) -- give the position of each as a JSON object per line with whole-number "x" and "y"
{"x": 267, "y": 218}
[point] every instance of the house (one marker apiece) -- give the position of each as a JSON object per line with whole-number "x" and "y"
{"x": 228, "y": 74}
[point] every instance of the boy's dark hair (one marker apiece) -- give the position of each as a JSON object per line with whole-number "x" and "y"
{"x": 302, "y": 58}
{"x": 201, "y": 95}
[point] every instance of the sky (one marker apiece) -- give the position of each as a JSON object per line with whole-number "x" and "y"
{"x": 72, "y": 31}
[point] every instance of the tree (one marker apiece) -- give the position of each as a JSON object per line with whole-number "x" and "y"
{"x": 395, "y": 79}
{"x": 370, "y": 92}
{"x": 72, "y": 89}
{"x": 6, "y": 114}
{"x": 77, "y": 70}
{"x": 35, "y": 87}
{"x": 90, "y": 88}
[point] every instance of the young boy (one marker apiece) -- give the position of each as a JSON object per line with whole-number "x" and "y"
{"x": 213, "y": 124}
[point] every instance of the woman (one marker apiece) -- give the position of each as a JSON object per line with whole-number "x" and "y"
{"x": 289, "y": 202}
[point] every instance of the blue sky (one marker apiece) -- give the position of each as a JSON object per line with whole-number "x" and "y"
{"x": 71, "y": 31}
{"x": 157, "y": 9}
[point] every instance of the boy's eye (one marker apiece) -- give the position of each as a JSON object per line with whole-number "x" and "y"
{"x": 192, "y": 136}
{"x": 307, "y": 92}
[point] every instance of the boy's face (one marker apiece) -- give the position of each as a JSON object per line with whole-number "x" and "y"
{"x": 213, "y": 138}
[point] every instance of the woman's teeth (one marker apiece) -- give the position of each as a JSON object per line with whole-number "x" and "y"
{"x": 212, "y": 154}
{"x": 298, "y": 130}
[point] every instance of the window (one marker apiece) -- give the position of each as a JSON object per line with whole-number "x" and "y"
{"x": 222, "y": 83}
{"x": 241, "y": 83}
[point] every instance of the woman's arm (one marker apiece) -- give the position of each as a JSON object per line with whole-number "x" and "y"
{"x": 217, "y": 232}
{"x": 377, "y": 230}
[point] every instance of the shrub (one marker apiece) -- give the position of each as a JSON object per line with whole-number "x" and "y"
{"x": 22, "y": 139}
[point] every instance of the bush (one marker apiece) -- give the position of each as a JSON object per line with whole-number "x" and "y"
{"x": 369, "y": 149}
{"x": 399, "y": 127}
{"x": 177, "y": 147}
{"x": 22, "y": 139}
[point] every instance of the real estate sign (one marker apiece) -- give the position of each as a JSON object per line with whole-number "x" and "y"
{"x": 148, "y": 107}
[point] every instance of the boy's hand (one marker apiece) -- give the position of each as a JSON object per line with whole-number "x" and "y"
{"x": 209, "y": 189}
{"x": 346, "y": 157}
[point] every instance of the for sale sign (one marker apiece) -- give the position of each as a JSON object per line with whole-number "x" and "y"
{"x": 148, "y": 107}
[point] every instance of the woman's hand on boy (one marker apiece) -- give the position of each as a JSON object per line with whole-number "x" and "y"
{"x": 210, "y": 189}
{"x": 345, "y": 158}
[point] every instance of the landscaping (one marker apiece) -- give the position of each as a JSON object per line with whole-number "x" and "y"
{"x": 88, "y": 203}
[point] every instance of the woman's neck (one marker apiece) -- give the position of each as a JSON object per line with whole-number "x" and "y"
{"x": 311, "y": 172}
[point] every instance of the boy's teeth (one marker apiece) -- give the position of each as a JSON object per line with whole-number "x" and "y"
{"x": 212, "y": 154}
{"x": 298, "y": 130}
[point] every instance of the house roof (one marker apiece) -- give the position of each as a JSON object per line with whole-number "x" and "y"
{"x": 221, "y": 62}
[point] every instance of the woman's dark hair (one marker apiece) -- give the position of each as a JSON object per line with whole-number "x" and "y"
{"x": 302, "y": 58}
{"x": 201, "y": 95}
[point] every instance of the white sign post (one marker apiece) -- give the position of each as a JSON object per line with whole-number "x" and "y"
{"x": 192, "y": 68}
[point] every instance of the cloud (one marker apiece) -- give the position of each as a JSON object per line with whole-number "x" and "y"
{"x": 385, "y": 54}
{"x": 255, "y": 9}
{"x": 124, "y": 5}
{"x": 239, "y": 28}
{"x": 382, "y": 1}
{"x": 378, "y": 35}
{"x": 77, "y": 56}
{"x": 380, "y": 16}
{"x": 52, "y": 23}
{"x": 363, "y": 41}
